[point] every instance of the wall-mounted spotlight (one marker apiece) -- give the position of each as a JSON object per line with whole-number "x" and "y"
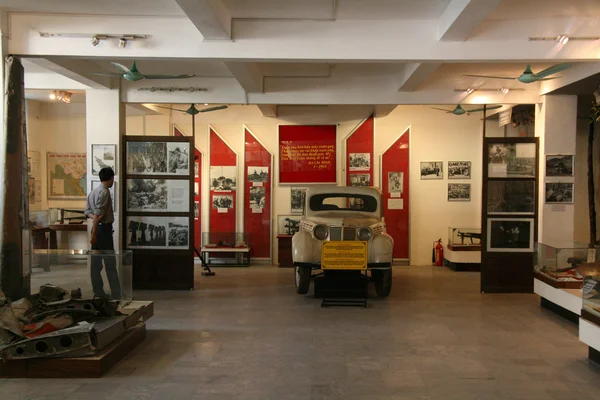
{"x": 505, "y": 90}
{"x": 562, "y": 39}
{"x": 60, "y": 95}
{"x": 122, "y": 42}
{"x": 123, "y": 39}
{"x": 469, "y": 90}
{"x": 95, "y": 40}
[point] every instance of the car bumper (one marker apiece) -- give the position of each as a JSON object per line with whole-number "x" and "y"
{"x": 377, "y": 266}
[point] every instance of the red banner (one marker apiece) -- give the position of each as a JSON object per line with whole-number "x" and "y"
{"x": 223, "y": 185}
{"x": 359, "y": 155}
{"x": 394, "y": 187}
{"x": 307, "y": 154}
{"x": 257, "y": 196}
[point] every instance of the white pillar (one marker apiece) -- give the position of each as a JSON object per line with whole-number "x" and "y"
{"x": 556, "y": 127}
{"x": 105, "y": 123}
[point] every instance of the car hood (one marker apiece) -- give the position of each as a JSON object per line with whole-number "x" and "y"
{"x": 336, "y": 218}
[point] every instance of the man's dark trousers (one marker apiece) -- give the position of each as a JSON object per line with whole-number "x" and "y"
{"x": 104, "y": 241}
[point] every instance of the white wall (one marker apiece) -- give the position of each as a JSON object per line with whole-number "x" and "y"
{"x": 435, "y": 136}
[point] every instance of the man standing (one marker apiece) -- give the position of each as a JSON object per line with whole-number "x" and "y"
{"x": 99, "y": 209}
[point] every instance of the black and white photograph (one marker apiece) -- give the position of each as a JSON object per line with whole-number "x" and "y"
{"x": 559, "y": 192}
{"x": 222, "y": 201}
{"x": 511, "y": 160}
{"x": 146, "y": 232}
{"x": 559, "y": 165}
{"x": 432, "y": 170}
{"x": 196, "y": 189}
{"x": 196, "y": 209}
{"x": 499, "y": 153}
{"x": 158, "y": 195}
{"x": 396, "y": 182}
{"x": 510, "y": 235}
{"x": 223, "y": 178}
{"x": 459, "y": 192}
{"x": 510, "y": 197}
{"x": 360, "y": 161}
{"x": 355, "y": 203}
{"x": 459, "y": 169}
{"x": 112, "y": 191}
{"x": 298, "y": 198}
{"x": 103, "y": 156}
{"x": 257, "y": 197}
{"x": 258, "y": 174}
{"x": 179, "y": 232}
{"x": 146, "y": 158}
{"x": 288, "y": 224}
{"x": 360, "y": 180}
{"x": 196, "y": 169}
{"x": 178, "y": 158}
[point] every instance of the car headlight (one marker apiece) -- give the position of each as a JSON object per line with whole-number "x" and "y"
{"x": 321, "y": 232}
{"x": 365, "y": 234}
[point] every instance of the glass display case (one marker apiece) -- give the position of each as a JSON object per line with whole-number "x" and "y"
{"x": 591, "y": 295}
{"x": 96, "y": 273}
{"x": 464, "y": 238}
{"x": 557, "y": 265}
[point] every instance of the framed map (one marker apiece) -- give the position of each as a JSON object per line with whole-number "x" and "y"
{"x": 67, "y": 176}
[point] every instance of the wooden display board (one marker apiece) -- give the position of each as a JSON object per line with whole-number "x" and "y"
{"x": 158, "y": 184}
{"x": 509, "y": 214}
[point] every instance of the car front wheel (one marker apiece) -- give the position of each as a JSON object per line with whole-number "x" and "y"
{"x": 302, "y": 279}
{"x": 383, "y": 281}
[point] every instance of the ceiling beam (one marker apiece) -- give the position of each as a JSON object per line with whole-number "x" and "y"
{"x": 211, "y": 18}
{"x": 461, "y": 17}
{"x": 414, "y": 74}
{"x": 248, "y": 75}
{"x": 77, "y": 70}
{"x": 268, "y": 110}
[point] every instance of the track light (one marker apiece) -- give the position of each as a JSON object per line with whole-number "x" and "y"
{"x": 205, "y": 104}
{"x": 469, "y": 90}
{"x": 562, "y": 39}
{"x": 95, "y": 40}
{"x": 60, "y": 95}
{"x": 505, "y": 90}
{"x": 122, "y": 42}
{"x": 53, "y": 95}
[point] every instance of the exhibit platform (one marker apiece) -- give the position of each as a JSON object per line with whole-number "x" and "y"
{"x": 463, "y": 258}
{"x": 589, "y": 333}
{"x": 562, "y": 301}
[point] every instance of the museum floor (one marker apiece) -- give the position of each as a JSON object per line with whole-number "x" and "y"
{"x": 244, "y": 334}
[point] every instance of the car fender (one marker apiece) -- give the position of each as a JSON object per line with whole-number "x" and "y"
{"x": 305, "y": 248}
{"x": 382, "y": 249}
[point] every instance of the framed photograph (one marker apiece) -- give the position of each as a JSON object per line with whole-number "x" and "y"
{"x": 112, "y": 191}
{"x": 258, "y": 174}
{"x": 396, "y": 182}
{"x": 178, "y": 158}
{"x": 222, "y": 201}
{"x": 360, "y": 161}
{"x": 223, "y": 178}
{"x": 196, "y": 209}
{"x": 510, "y": 197}
{"x": 196, "y": 169}
{"x": 257, "y": 197}
{"x": 559, "y": 193}
{"x": 360, "y": 180}
{"x": 459, "y": 169}
{"x": 196, "y": 189}
{"x": 511, "y": 160}
{"x": 158, "y": 195}
{"x": 432, "y": 170}
{"x": 147, "y": 232}
{"x": 510, "y": 235}
{"x": 559, "y": 165}
{"x": 179, "y": 233}
{"x": 103, "y": 155}
{"x": 146, "y": 158}
{"x": 298, "y": 199}
{"x": 459, "y": 192}
{"x": 288, "y": 224}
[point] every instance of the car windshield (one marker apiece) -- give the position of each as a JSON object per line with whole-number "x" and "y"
{"x": 343, "y": 202}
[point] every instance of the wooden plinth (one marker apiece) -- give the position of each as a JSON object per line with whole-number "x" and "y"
{"x": 77, "y": 367}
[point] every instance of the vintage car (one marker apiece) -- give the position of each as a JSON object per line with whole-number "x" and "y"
{"x": 336, "y": 213}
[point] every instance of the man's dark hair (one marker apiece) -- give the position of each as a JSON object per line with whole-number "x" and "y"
{"x": 106, "y": 174}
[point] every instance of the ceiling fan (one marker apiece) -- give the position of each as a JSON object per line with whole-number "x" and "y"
{"x": 528, "y": 76}
{"x": 134, "y": 74}
{"x": 458, "y": 110}
{"x": 193, "y": 111}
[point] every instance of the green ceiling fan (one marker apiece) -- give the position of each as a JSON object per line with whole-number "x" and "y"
{"x": 134, "y": 74}
{"x": 193, "y": 111}
{"x": 528, "y": 76}
{"x": 458, "y": 110}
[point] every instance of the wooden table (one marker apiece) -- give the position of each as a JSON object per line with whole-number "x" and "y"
{"x": 39, "y": 234}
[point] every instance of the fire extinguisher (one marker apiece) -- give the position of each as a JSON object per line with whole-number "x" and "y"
{"x": 437, "y": 253}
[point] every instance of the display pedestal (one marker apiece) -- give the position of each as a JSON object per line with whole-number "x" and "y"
{"x": 284, "y": 251}
{"x": 589, "y": 333}
{"x": 464, "y": 258}
{"x": 564, "y": 302}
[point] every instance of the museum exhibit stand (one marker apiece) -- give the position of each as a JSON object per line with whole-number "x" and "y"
{"x": 463, "y": 252}
{"x": 589, "y": 323}
{"x": 226, "y": 249}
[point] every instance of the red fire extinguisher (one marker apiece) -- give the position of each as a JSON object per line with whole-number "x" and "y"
{"x": 437, "y": 253}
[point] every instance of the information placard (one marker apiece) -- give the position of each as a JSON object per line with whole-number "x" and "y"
{"x": 349, "y": 255}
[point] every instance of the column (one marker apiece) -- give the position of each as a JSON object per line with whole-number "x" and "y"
{"x": 556, "y": 126}
{"x": 105, "y": 123}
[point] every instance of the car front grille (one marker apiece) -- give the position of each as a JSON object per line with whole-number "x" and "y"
{"x": 342, "y": 233}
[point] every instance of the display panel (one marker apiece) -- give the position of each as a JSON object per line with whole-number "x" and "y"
{"x": 104, "y": 155}
{"x": 67, "y": 176}
{"x": 511, "y": 160}
{"x": 307, "y": 154}
{"x": 510, "y": 235}
{"x": 158, "y": 195}
{"x": 510, "y": 197}
{"x": 223, "y": 185}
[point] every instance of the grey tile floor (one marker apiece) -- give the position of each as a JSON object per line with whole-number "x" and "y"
{"x": 244, "y": 334}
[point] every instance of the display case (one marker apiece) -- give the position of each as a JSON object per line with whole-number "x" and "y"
{"x": 557, "y": 265}
{"x": 76, "y": 269}
{"x": 591, "y": 298}
{"x": 464, "y": 239}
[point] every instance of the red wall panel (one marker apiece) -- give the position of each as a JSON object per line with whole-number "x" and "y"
{"x": 222, "y": 155}
{"x": 361, "y": 141}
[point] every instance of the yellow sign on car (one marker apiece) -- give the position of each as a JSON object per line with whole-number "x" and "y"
{"x": 344, "y": 255}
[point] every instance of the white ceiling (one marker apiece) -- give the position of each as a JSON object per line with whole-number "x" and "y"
{"x": 528, "y": 9}
{"x": 95, "y": 7}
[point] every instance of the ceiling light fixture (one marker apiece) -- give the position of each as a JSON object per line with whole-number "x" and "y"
{"x": 172, "y": 89}
{"x": 122, "y": 42}
{"x": 505, "y": 90}
{"x": 469, "y": 90}
{"x": 53, "y": 95}
{"x": 562, "y": 39}
{"x": 97, "y": 37}
{"x": 60, "y": 95}
{"x": 95, "y": 40}
{"x": 205, "y": 104}
{"x": 490, "y": 90}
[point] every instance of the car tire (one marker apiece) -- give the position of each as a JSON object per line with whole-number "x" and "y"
{"x": 383, "y": 281}
{"x": 302, "y": 279}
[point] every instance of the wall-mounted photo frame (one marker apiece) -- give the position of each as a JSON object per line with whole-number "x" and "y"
{"x": 158, "y": 195}
{"x": 510, "y": 235}
{"x": 297, "y": 199}
{"x": 104, "y": 155}
{"x": 511, "y": 160}
{"x": 432, "y": 170}
{"x": 459, "y": 169}
{"x": 511, "y": 197}
{"x": 559, "y": 193}
{"x": 288, "y": 224}
{"x": 560, "y": 165}
{"x": 459, "y": 192}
